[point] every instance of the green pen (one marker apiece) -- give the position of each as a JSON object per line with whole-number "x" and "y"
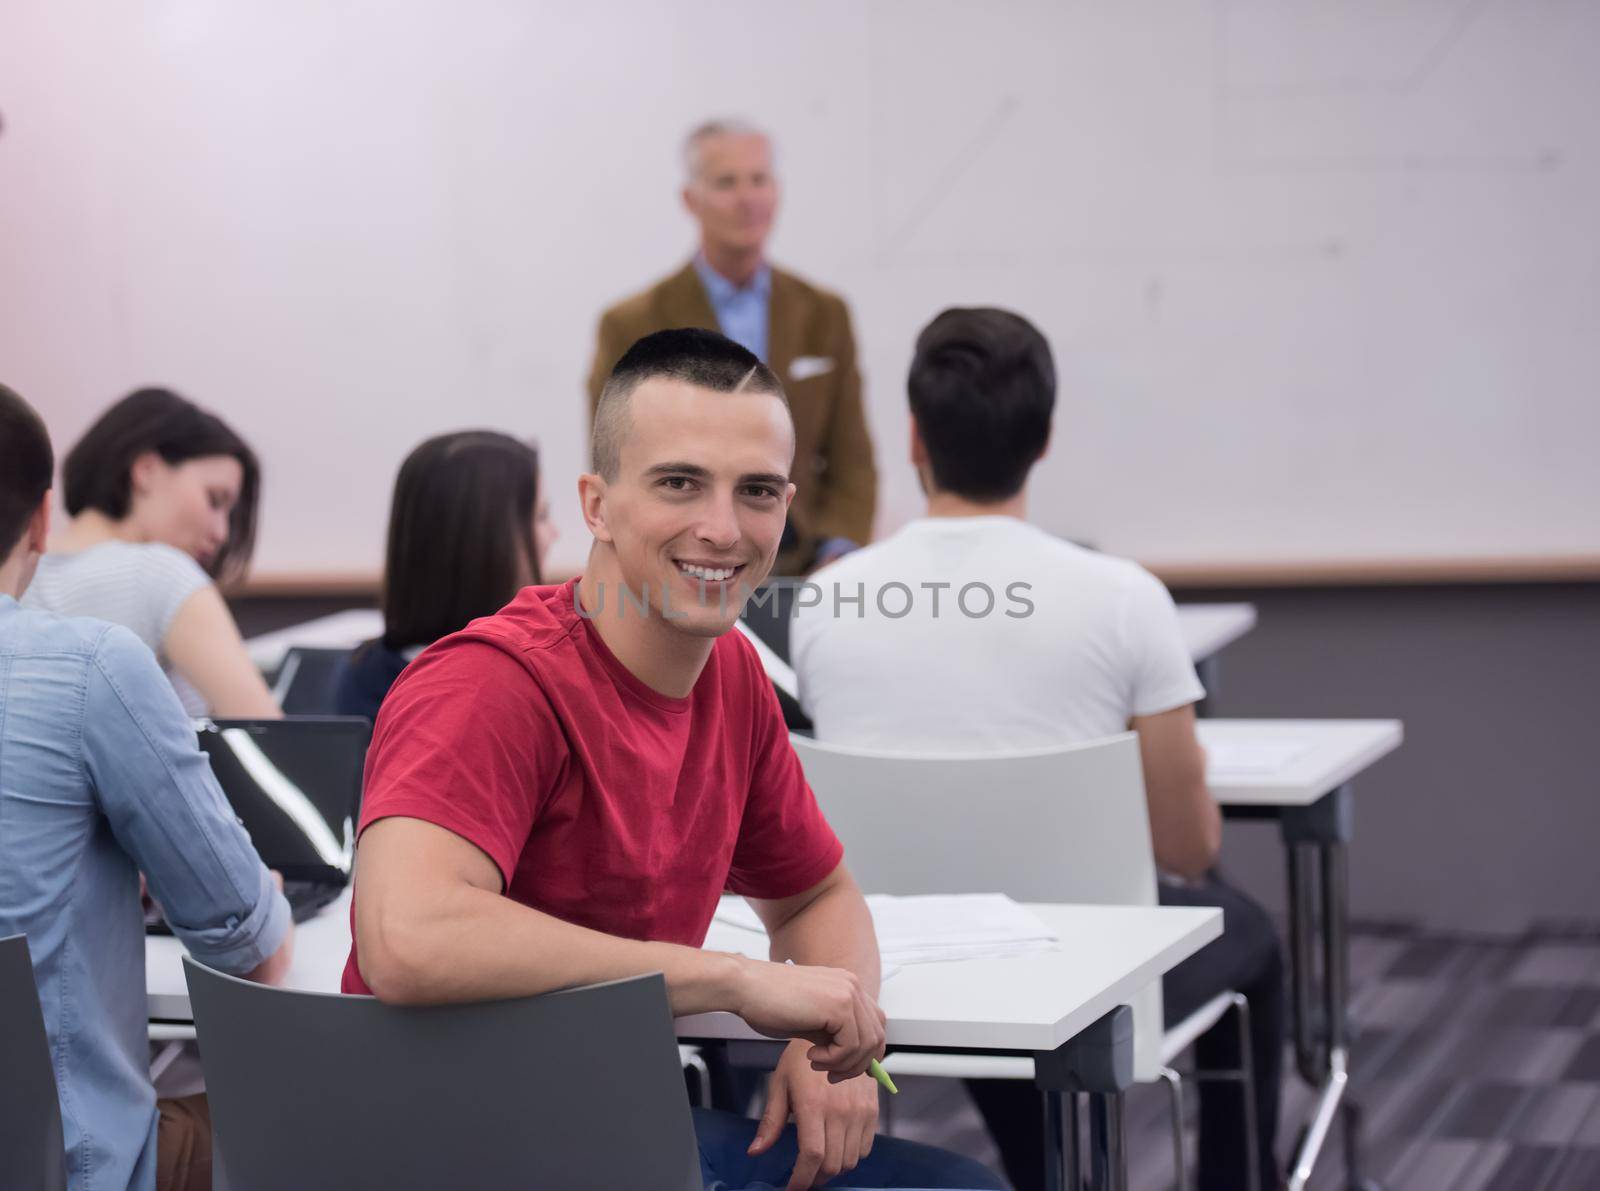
{"x": 875, "y": 1068}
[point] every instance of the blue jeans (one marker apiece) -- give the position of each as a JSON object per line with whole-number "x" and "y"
{"x": 724, "y": 1165}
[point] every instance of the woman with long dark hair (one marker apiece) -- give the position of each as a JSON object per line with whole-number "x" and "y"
{"x": 162, "y": 498}
{"x": 468, "y": 529}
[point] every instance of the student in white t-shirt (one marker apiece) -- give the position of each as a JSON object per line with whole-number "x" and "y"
{"x": 970, "y": 630}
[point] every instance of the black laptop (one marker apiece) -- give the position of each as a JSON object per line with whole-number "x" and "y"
{"x": 296, "y": 786}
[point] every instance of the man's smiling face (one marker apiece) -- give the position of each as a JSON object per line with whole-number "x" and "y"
{"x": 697, "y": 508}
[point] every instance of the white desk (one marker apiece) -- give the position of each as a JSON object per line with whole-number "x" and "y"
{"x": 1317, "y": 756}
{"x": 1207, "y": 630}
{"x": 1030, "y": 1002}
{"x": 1210, "y": 628}
{"x": 1298, "y": 773}
{"x": 1047, "y": 1004}
{"x": 341, "y": 630}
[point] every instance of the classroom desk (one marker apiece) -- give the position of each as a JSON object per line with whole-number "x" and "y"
{"x": 1299, "y": 773}
{"x": 1067, "y": 1009}
{"x": 1207, "y": 630}
{"x": 341, "y": 630}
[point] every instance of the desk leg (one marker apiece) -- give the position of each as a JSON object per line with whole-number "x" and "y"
{"x": 1209, "y": 671}
{"x": 1316, "y": 838}
{"x": 1108, "y": 1156}
{"x": 1060, "y": 1142}
{"x": 1303, "y": 959}
{"x": 1073, "y": 1153}
{"x": 1098, "y": 1061}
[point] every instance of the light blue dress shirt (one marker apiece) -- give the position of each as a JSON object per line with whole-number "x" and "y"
{"x": 742, "y": 311}
{"x": 100, "y": 779}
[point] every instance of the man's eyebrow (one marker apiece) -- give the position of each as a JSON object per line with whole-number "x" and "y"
{"x": 697, "y": 472}
{"x": 679, "y": 469}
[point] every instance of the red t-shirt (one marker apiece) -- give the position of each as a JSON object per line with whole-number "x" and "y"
{"x": 601, "y": 801}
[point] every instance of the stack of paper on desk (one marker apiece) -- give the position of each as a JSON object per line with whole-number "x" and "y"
{"x": 935, "y": 928}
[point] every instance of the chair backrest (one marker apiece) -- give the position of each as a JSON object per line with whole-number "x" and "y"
{"x": 572, "y": 1090}
{"x": 1067, "y": 824}
{"x": 307, "y": 681}
{"x": 32, "y": 1150}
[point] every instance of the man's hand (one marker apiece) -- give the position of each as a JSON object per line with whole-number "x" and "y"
{"x": 827, "y": 1007}
{"x": 835, "y": 1123}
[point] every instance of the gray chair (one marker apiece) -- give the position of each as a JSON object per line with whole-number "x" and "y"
{"x": 32, "y": 1152}
{"x": 307, "y": 682}
{"x": 568, "y": 1091}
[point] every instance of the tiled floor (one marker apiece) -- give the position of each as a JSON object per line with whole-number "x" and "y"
{"x": 1477, "y": 1065}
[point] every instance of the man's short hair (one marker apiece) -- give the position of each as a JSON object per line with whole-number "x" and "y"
{"x": 704, "y": 132}
{"x": 26, "y": 465}
{"x": 983, "y": 389}
{"x": 701, "y": 358}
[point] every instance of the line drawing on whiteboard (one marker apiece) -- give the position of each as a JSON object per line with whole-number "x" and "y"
{"x": 1229, "y": 96}
{"x": 1411, "y": 80}
{"x": 961, "y": 161}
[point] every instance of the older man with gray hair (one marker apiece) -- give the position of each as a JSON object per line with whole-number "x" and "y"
{"x": 800, "y": 331}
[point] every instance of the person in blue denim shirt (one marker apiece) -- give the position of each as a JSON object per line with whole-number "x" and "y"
{"x": 100, "y": 780}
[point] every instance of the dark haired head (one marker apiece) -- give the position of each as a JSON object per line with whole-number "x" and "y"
{"x": 696, "y": 357}
{"x": 983, "y": 388}
{"x": 461, "y": 540}
{"x": 98, "y": 472}
{"x": 26, "y": 465}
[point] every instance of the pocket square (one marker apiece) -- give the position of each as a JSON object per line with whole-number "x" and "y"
{"x": 805, "y": 367}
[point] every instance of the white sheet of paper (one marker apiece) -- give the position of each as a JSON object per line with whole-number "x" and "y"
{"x": 933, "y": 928}
{"x": 1248, "y": 756}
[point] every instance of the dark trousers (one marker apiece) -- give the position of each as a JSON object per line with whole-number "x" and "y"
{"x": 725, "y": 1164}
{"x": 1246, "y": 959}
{"x": 183, "y": 1145}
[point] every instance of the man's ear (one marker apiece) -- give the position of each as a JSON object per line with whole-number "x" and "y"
{"x": 1045, "y": 449}
{"x": 919, "y": 449}
{"x": 592, "y": 500}
{"x": 39, "y": 526}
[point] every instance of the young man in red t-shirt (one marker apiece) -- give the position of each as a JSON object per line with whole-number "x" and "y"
{"x": 558, "y": 794}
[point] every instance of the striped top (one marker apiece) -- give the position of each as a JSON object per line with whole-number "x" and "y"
{"x": 140, "y": 585}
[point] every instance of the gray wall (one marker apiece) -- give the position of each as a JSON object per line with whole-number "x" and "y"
{"x": 1488, "y": 817}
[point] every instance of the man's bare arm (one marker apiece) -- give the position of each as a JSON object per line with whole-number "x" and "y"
{"x": 826, "y": 924}
{"x": 1185, "y": 824}
{"x": 432, "y": 926}
{"x": 835, "y": 1118}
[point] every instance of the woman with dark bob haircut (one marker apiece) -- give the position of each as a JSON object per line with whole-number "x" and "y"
{"x": 468, "y": 529}
{"x": 162, "y": 499}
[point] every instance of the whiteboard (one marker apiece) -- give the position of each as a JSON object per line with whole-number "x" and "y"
{"x": 1323, "y": 280}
